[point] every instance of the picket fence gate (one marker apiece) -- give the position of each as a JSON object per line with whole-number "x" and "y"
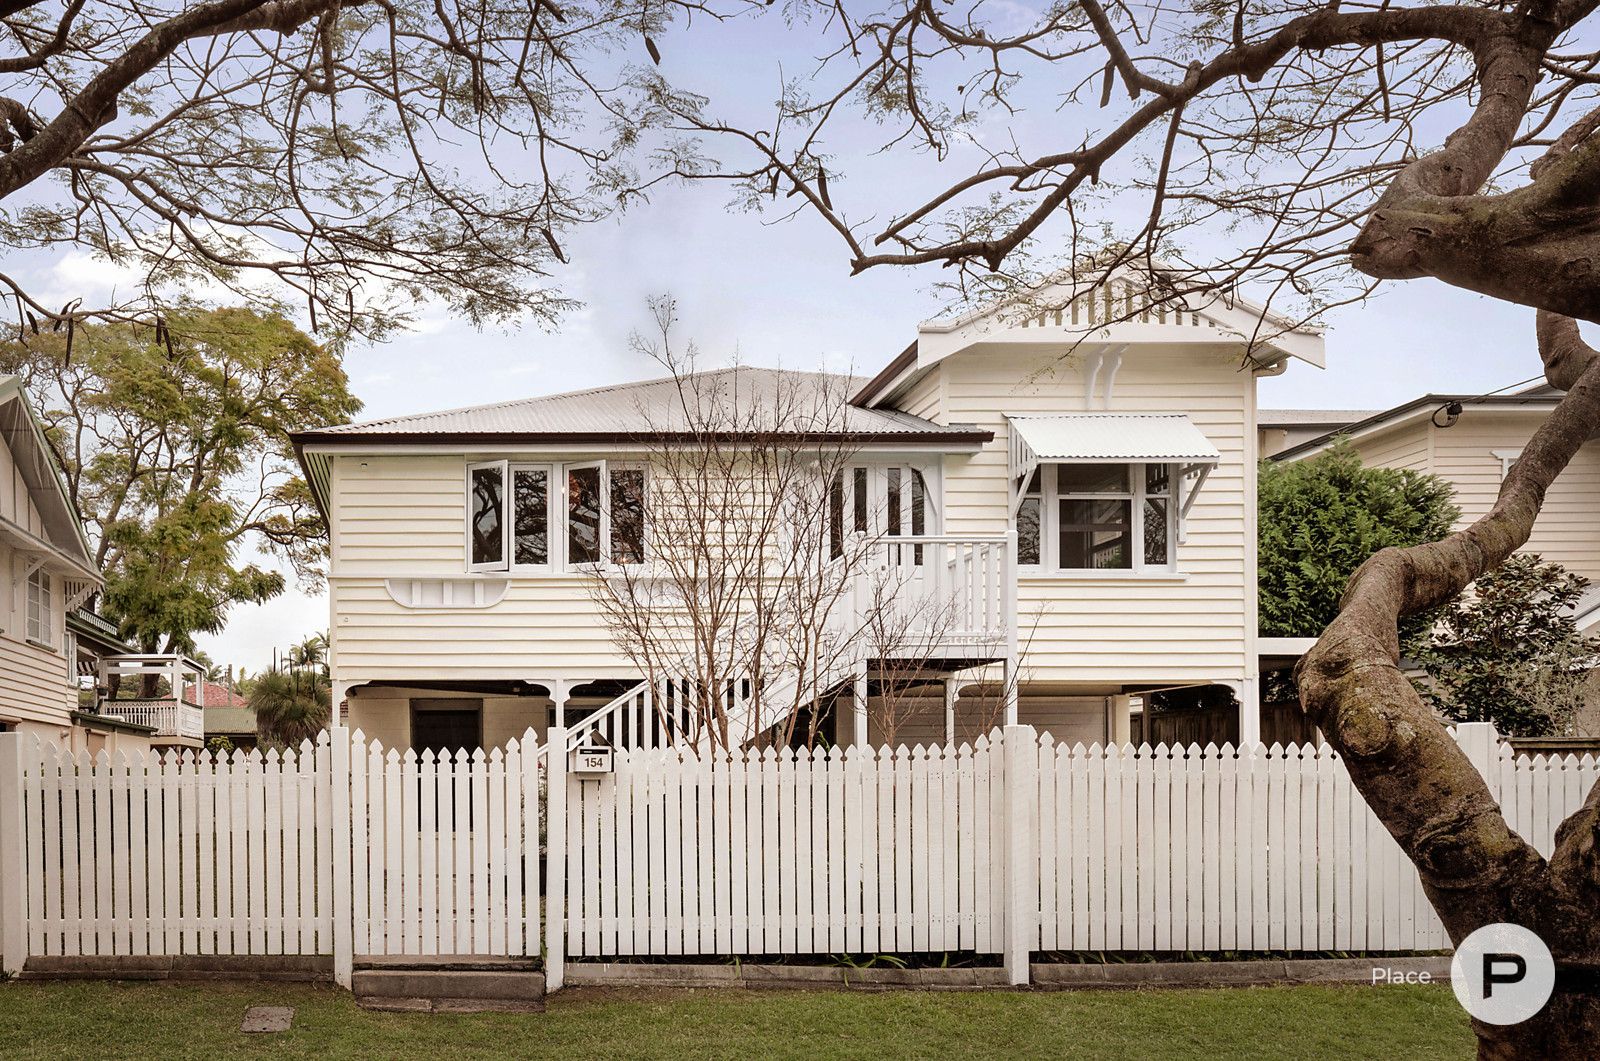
{"x": 1010, "y": 846}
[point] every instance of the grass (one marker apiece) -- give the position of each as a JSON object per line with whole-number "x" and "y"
{"x": 119, "y": 1020}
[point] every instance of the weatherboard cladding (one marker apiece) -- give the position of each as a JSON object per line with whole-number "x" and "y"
{"x": 813, "y": 404}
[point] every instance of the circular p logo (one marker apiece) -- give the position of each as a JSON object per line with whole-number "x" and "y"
{"x": 1502, "y": 974}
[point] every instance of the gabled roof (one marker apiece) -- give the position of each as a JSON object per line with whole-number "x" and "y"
{"x": 1117, "y": 313}
{"x": 23, "y": 435}
{"x": 1527, "y": 399}
{"x": 802, "y": 403}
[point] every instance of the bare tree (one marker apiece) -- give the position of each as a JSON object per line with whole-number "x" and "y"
{"x": 351, "y": 158}
{"x": 746, "y": 590}
{"x": 1331, "y": 146}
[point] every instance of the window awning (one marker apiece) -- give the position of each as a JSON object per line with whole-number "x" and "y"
{"x": 1169, "y": 438}
{"x": 1091, "y": 438}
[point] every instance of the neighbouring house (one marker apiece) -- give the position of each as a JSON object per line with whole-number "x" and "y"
{"x": 1082, "y": 477}
{"x": 1470, "y": 441}
{"x": 228, "y": 714}
{"x": 47, "y": 573}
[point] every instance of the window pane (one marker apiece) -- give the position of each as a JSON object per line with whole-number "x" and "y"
{"x": 1158, "y": 478}
{"x": 861, "y": 500}
{"x": 893, "y": 500}
{"x": 627, "y": 516}
{"x": 583, "y": 515}
{"x": 488, "y": 515}
{"x": 919, "y": 508}
{"x": 836, "y": 515}
{"x": 1028, "y": 531}
{"x": 1155, "y": 531}
{"x": 1095, "y": 534}
{"x": 531, "y": 493}
{"x": 1092, "y": 478}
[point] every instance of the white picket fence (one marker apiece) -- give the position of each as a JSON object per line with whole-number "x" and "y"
{"x": 175, "y": 854}
{"x": 843, "y": 851}
{"x": 1011, "y": 846}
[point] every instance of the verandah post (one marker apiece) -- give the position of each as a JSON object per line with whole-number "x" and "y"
{"x": 1008, "y": 614}
{"x": 555, "y": 906}
{"x": 13, "y": 880}
{"x": 1021, "y": 787}
{"x": 343, "y": 908}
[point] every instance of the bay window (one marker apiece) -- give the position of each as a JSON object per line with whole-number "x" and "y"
{"x": 1097, "y": 517}
{"x": 537, "y": 517}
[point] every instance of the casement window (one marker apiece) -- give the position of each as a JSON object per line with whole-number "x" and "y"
{"x": 39, "y": 626}
{"x": 538, "y": 517}
{"x": 892, "y": 500}
{"x": 486, "y": 516}
{"x": 1098, "y": 517}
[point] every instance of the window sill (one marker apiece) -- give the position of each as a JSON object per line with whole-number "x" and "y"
{"x": 36, "y": 643}
{"x": 1035, "y": 574}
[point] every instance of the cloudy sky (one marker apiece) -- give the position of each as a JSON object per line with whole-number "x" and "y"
{"x": 780, "y": 293}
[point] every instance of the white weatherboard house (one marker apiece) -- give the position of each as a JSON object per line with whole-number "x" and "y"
{"x": 45, "y": 572}
{"x": 1120, "y": 455}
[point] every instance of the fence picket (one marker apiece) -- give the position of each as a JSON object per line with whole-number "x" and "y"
{"x": 835, "y": 850}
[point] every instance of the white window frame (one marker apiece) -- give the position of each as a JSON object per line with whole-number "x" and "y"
{"x": 877, "y": 497}
{"x": 554, "y": 517}
{"x": 39, "y": 620}
{"x": 1050, "y": 498}
{"x": 644, "y": 531}
{"x": 1506, "y": 457}
{"x": 603, "y": 540}
{"x": 557, "y": 499}
{"x": 504, "y": 562}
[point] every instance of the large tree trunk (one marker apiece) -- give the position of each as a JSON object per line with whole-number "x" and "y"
{"x": 1566, "y": 1028}
{"x": 1474, "y": 868}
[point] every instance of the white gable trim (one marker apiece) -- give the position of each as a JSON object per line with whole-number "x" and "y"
{"x": 1084, "y": 311}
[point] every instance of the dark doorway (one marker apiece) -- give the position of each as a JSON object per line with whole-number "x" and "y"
{"x": 446, "y": 725}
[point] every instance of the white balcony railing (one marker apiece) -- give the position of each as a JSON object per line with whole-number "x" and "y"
{"x": 167, "y": 717}
{"x": 939, "y": 594}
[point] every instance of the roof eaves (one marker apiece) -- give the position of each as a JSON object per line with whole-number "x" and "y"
{"x": 956, "y": 434}
{"x": 907, "y": 358}
{"x": 1394, "y": 416}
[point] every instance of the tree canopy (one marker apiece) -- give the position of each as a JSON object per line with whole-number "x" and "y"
{"x": 347, "y": 158}
{"x": 1510, "y": 652}
{"x": 174, "y": 444}
{"x": 1323, "y": 517}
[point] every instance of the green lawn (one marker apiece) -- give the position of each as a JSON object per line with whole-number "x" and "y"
{"x": 94, "y": 1020}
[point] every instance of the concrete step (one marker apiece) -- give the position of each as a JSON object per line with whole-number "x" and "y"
{"x": 447, "y": 1005}
{"x": 446, "y": 962}
{"x": 497, "y": 985}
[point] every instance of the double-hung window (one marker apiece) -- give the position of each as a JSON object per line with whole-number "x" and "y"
{"x": 40, "y": 619}
{"x": 538, "y": 517}
{"x": 1097, "y": 517}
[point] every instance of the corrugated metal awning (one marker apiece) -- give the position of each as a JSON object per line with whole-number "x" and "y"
{"x": 1084, "y": 437}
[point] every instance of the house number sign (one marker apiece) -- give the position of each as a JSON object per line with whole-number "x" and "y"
{"x": 593, "y": 761}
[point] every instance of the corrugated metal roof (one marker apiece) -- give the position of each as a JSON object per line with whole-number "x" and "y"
{"x": 1114, "y": 437}
{"x": 1310, "y": 417}
{"x": 1586, "y": 609}
{"x": 225, "y": 720}
{"x": 799, "y": 402}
